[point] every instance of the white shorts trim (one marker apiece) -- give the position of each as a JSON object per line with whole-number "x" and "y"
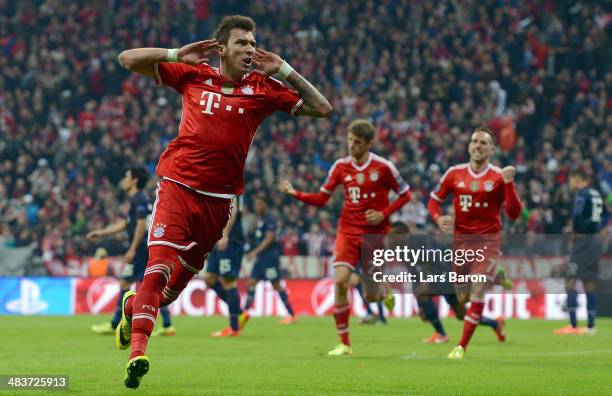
{"x": 174, "y": 245}
{"x": 344, "y": 264}
{"x": 216, "y": 195}
{"x": 297, "y": 105}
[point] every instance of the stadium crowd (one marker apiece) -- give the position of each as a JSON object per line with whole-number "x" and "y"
{"x": 426, "y": 73}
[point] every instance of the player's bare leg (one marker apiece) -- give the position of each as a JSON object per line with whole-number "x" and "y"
{"x": 376, "y": 292}
{"x": 342, "y": 309}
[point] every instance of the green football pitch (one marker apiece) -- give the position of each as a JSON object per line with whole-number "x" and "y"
{"x": 269, "y": 358}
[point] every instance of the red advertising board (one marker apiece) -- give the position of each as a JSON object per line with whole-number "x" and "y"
{"x": 316, "y": 297}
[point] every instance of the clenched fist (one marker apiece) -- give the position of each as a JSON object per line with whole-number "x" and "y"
{"x": 508, "y": 173}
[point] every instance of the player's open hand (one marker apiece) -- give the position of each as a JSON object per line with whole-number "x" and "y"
{"x": 268, "y": 62}
{"x": 374, "y": 217}
{"x": 508, "y": 173}
{"x": 223, "y": 242}
{"x": 128, "y": 258}
{"x": 286, "y": 187}
{"x": 446, "y": 224}
{"x": 91, "y": 235}
{"x": 251, "y": 256}
{"x": 196, "y": 53}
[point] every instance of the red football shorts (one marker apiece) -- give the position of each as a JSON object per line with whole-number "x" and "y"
{"x": 347, "y": 250}
{"x": 187, "y": 221}
{"x": 356, "y": 251}
{"x": 476, "y": 254}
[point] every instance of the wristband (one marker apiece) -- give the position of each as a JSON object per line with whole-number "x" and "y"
{"x": 285, "y": 70}
{"x": 172, "y": 55}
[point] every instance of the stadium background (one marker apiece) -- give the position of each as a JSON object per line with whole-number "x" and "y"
{"x": 425, "y": 73}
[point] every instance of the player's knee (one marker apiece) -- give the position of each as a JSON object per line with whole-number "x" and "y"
{"x": 460, "y": 312}
{"x": 589, "y": 286}
{"x": 372, "y": 297}
{"x": 463, "y": 298}
{"x": 163, "y": 260}
{"x": 422, "y": 298}
{"x": 124, "y": 284}
{"x": 210, "y": 279}
{"x": 341, "y": 284}
{"x": 228, "y": 283}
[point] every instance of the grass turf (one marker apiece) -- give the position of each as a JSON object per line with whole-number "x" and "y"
{"x": 270, "y": 358}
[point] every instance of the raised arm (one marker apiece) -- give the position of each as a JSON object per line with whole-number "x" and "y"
{"x": 317, "y": 199}
{"x": 315, "y": 104}
{"x": 512, "y": 201}
{"x": 108, "y": 230}
{"x": 141, "y": 60}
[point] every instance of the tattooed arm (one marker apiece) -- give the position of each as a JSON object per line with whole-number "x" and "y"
{"x": 315, "y": 104}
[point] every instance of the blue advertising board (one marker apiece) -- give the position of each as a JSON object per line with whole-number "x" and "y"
{"x": 35, "y": 296}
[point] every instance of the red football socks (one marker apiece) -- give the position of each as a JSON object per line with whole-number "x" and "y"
{"x": 341, "y": 316}
{"x": 471, "y": 321}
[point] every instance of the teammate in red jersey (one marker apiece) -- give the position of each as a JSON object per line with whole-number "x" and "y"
{"x": 367, "y": 180}
{"x": 202, "y": 168}
{"x": 479, "y": 190}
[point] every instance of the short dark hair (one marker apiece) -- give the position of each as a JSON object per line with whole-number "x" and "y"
{"x": 486, "y": 130}
{"x": 399, "y": 227}
{"x": 362, "y": 129}
{"x": 141, "y": 175}
{"x": 222, "y": 32}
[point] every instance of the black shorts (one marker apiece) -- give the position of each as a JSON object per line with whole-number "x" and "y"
{"x": 584, "y": 260}
{"x": 134, "y": 271}
{"x": 267, "y": 267}
{"x": 225, "y": 263}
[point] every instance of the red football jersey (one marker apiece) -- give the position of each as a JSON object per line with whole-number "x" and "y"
{"x": 477, "y": 198}
{"x": 366, "y": 187}
{"x": 218, "y": 123}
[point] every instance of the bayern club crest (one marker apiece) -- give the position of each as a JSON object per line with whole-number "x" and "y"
{"x": 227, "y": 88}
{"x": 247, "y": 90}
{"x": 488, "y": 186}
{"x": 373, "y": 176}
{"x": 159, "y": 230}
{"x": 360, "y": 178}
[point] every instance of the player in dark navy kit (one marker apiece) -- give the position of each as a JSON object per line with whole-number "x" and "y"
{"x": 583, "y": 262}
{"x": 266, "y": 253}
{"x": 223, "y": 268}
{"x": 424, "y": 292}
{"x": 136, "y": 257}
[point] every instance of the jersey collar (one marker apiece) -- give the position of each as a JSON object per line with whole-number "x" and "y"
{"x": 218, "y": 71}
{"x": 478, "y": 175}
{"x": 365, "y": 164}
